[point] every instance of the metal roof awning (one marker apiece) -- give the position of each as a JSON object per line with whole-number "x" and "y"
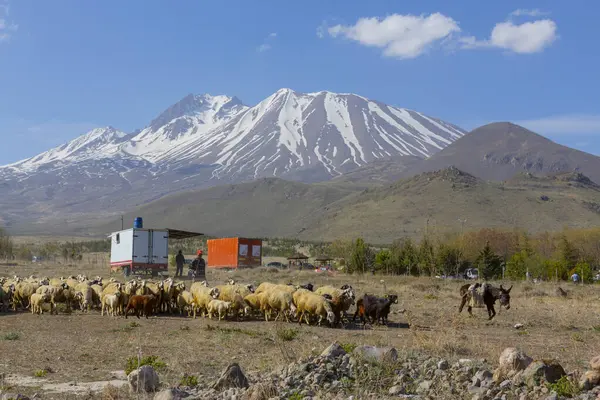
{"x": 177, "y": 234}
{"x": 298, "y": 256}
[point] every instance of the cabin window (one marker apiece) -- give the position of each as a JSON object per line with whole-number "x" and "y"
{"x": 118, "y": 238}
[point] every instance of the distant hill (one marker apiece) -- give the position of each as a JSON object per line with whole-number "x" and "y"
{"x": 269, "y": 207}
{"x": 500, "y": 150}
{"x": 327, "y": 211}
{"x": 445, "y": 197}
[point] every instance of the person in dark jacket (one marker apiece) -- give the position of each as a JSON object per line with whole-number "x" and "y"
{"x": 199, "y": 267}
{"x": 179, "y": 260}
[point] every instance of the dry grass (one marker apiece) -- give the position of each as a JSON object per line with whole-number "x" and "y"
{"x": 87, "y": 347}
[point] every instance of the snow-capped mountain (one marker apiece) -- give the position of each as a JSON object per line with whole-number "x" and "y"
{"x": 205, "y": 140}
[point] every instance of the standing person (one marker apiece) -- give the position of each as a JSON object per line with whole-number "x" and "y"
{"x": 575, "y": 278}
{"x": 179, "y": 260}
{"x": 199, "y": 266}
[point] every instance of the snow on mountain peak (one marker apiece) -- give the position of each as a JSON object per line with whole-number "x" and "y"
{"x": 286, "y": 132}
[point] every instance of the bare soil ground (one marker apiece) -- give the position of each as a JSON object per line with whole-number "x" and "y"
{"x": 87, "y": 347}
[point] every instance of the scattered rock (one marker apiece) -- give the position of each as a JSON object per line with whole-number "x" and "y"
{"x": 333, "y": 351}
{"x": 12, "y": 396}
{"x": 143, "y": 379}
{"x": 443, "y": 365}
{"x": 424, "y": 387}
{"x": 511, "y": 361}
{"x": 560, "y": 292}
{"x": 377, "y": 353}
{"x": 396, "y": 390}
{"x": 595, "y": 363}
{"x": 589, "y": 380}
{"x": 540, "y": 372}
{"x": 171, "y": 394}
{"x": 518, "y": 326}
{"x": 232, "y": 377}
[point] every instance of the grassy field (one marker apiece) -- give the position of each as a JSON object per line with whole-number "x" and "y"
{"x": 87, "y": 347}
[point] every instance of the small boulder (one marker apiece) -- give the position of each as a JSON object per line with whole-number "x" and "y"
{"x": 540, "y": 372}
{"x": 443, "y": 365}
{"x": 511, "y": 361}
{"x": 333, "y": 351}
{"x": 396, "y": 390}
{"x": 171, "y": 394}
{"x": 143, "y": 379}
{"x": 231, "y": 377}
{"x": 589, "y": 380}
{"x": 377, "y": 353}
{"x": 595, "y": 363}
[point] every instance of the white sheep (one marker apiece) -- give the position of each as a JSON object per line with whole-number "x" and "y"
{"x": 282, "y": 302}
{"x": 110, "y": 302}
{"x": 218, "y": 306}
{"x": 186, "y": 301}
{"x": 37, "y": 300}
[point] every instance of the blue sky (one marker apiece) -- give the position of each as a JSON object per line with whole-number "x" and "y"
{"x": 68, "y": 66}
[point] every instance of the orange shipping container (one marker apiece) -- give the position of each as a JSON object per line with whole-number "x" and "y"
{"x": 234, "y": 253}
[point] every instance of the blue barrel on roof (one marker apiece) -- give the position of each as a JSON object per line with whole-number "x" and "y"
{"x": 138, "y": 223}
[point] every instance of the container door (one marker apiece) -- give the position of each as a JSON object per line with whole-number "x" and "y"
{"x": 141, "y": 247}
{"x": 160, "y": 247}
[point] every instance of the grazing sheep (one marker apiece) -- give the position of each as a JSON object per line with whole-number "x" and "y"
{"x": 227, "y": 292}
{"x": 203, "y": 295}
{"x": 23, "y": 291}
{"x": 239, "y": 306}
{"x": 282, "y": 302}
{"x": 309, "y": 303}
{"x": 6, "y": 296}
{"x": 37, "y": 300}
{"x": 54, "y": 292}
{"x": 185, "y": 301}
{"x": 258, "y": 302}
{"x": 84, "y": 295}
{"x": 341, "y": 300}
{"x": 110, "y": 302}
{"x": 220, "y": 307}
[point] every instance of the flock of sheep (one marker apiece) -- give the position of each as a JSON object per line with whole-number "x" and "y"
{"x": 231, "y": 300}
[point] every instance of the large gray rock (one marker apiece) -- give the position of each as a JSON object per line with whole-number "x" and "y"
{"x": 143, "y": 379}
{"x": 380, "y": 354}
{"x": 511, "y": 361}
{"x": 540, "y": 372}
{"x": 589, "y": 380}
{"x": 333, "y": 351}
{"x": 231, "y": 377}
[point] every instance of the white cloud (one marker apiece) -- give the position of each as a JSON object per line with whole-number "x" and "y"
{"x": 400, "y": 36}
{"x": 567, "y": 124}
{"x": 6, "y": 27}
{"x": 266, "y": 45}
{"x": 409, "y": 36}
{"x": 263, "y": 47}
{"x": 530, "y": 13}
{"x": 529, "y": 37}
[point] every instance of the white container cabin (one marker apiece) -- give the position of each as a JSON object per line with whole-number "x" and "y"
{"x": 141, "y": 251}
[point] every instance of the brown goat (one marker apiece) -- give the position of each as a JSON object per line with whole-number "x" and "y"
{"x": 144, "y": 303}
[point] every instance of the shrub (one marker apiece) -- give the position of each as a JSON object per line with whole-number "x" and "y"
{"x": 11, "y": 336}
{"x": 189, "y": 381}
{"x": 348, "y": 347}
{"x": 153, "y": 361}
{"x": 287, "y": 334}
{"x": 40, "y": 373}
{"x": 564, "y": 387}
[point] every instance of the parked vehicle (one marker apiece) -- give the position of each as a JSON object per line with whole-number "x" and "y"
{"x": 471, "y": 273}
{"x": 276, "y": 264}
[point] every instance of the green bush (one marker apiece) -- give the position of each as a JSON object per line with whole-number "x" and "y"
{"x": 188, "y": 381}
{"x": 153, "y": 361}
{"x": 287, "y": 334}
{"x": 564, "y": 387}
{"x": 11, "y": 336}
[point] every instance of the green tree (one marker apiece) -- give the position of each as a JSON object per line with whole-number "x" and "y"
{"x": 426, "y": 257}
{"x": 384, "y": 262}
{"x": 6, "y": 245}
{"x": 361, "y": 257}
{"x": 489, "y": 263}
{"x": 516, "y": 267}
{"x": 447, "y": 258}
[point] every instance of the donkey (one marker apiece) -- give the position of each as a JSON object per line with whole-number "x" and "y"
{"x": 490, "y": 295}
